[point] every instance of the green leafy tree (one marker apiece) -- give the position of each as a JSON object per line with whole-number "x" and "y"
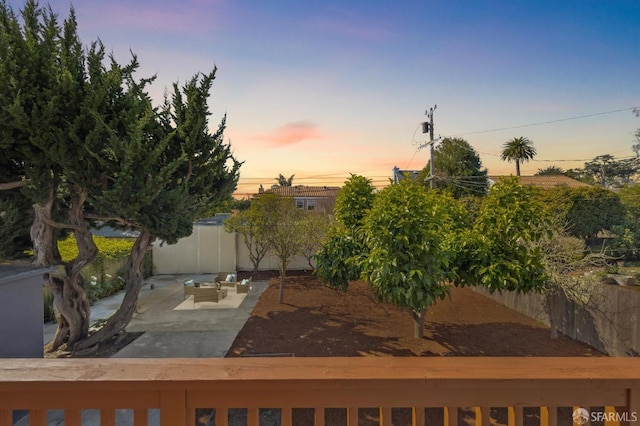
{"x": 407, "y": 234}
{"x": 250, "y": 225}
{"x": 282, "y": 229}
{"x": 314, "y": 228}
{"x": 602, "y": 168}
{"x": 416, "y": 243}
{"x": 609, "y": 172}
{"x": 337, "y": 261}
{"x": 15, "y": 211}
{"x": 353, "y": 201}
{"x": 518, "y": 150}
{"x": 14, "y": 228}
{"x": 586, "y": 210}
{"x": 497, "y": 253}
{"x": 627, "y": 241}
{"x": 581, "y": 175}
{"x": 458, "y": 169}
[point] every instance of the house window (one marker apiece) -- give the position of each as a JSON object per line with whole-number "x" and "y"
{"x": 311, "y": 204}
{"x": 300, "y": 204}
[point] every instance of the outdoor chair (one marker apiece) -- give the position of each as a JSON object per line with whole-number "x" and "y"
{"x": 222, "y": 276}
{"x": 243, "y": 288}
{"x": 209, "y": 294}
{"x": 227, "y": 280}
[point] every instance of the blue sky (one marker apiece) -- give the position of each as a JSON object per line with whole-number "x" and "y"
{"x": 321, "y": 89}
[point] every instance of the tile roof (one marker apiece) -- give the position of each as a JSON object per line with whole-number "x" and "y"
{"x": 305, "y": 191}
{"x": 546, "y": 181}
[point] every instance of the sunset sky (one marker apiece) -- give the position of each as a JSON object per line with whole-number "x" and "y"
{"x": 321, "y": 89}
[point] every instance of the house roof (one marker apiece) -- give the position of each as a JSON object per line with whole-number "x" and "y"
{"x": 546, "y": 181}
{"x": 398, "y": 174}
{"x": 305, "y": 191}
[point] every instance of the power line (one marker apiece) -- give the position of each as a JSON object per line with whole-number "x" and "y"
{"x": 546, "y": 122}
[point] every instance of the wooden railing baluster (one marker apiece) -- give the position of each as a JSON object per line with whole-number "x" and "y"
{"x": 73, "y": 418}
{"x": 319, "y": 416}
{"x": 222, "y": 416}
{"x": 140, "y": 417}
{"x": 417, "y": 414}
{"x": 38, "y": 418}
{"x": 451, "y": 416}
{"x": 107, "y": 417}
{"x": 253, "y": 417}
{"x": 385, "y": 416}
{"x": 6, "y": 417}
{"x": 352, "y": 416}
{"x": 286, "y": 416}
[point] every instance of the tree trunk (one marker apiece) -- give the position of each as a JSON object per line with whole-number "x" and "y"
{"x": 283, "y": 272}
{"x": 134, "y": 280}
{"x": 517, "y": 167}
{"x": 418, "y": 322}
{"x": 67, "y": 285}
{"x": 45, "y": 247}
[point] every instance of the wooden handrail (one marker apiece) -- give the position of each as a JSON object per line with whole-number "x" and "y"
{"x": 178, "y": 386}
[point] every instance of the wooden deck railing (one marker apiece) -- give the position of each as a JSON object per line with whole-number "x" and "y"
{"x": 178, "y": 386}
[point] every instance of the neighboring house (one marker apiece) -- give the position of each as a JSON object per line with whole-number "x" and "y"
{"x": 544, "y": 181}
{"x": 307, "y": 197}
{"x": 398, "y": 174}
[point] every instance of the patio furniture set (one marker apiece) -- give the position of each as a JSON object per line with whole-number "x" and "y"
{"x": 216, "y": 291}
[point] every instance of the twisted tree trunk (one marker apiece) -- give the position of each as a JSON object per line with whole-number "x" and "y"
{"x": 45, "y": 249}
{"x": 121, "y": 318}
{"x": 70, "y": 301}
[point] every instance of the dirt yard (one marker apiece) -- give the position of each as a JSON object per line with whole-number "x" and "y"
{"x": 317, "y": 321}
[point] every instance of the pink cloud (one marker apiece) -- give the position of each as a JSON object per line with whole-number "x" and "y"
{"x": 291, "y": 133}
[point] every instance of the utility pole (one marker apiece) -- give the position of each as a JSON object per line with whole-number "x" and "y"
{"x": 427, "y": 127}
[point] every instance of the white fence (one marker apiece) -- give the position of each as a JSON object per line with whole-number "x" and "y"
{"x": 210, "y": 249}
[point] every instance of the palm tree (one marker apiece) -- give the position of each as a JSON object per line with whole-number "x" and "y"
{"x": 518, "y": 149}
{"x": 283, "y": 181}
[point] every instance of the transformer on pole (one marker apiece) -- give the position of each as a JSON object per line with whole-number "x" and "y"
{"x": 427, "y": 127}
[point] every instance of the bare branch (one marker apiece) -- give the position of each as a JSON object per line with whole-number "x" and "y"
{"x": 119, "y": 220}
{"x": 13, "y": 185}
{"x": 53, "y": 223}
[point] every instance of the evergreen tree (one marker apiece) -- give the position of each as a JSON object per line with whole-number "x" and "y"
{"x": 458, "y": 169}
{"x": 93, "y": 147}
